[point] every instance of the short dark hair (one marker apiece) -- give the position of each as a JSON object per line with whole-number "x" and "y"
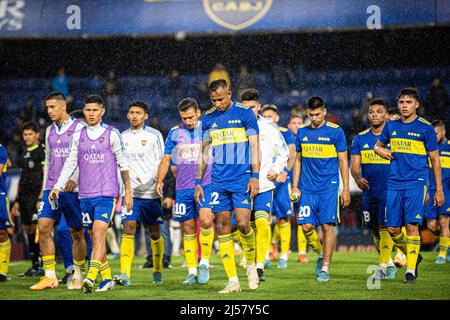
{"x": 250, "y": 95}
{"x": 316, "y": 102}
{"x": 186, "y": 104}
{"x": 411, "y": 92}
{"x": 30, "y": 126}
{"x": 93, "y": 98}
{"x": 393, "y": 110}
{"x": 56, "y": 95}
{"x": 438, "y": 123}
{"x": 216, "y": 84}
{"x": 378, "y": 101}
{"x": 77, "y": 114}
{"x": 140, "y": 104}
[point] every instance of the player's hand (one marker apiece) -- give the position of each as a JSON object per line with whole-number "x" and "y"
{"x": 281, "y": 178}
{"x": 271, "y": 175}
{"x": 427, "y": 198}
{"x": 253, "y": 187}
{"x": 438, "y": 199}
{"x": 167, "y": 202}
{"x": 159, "y": 188}
{"x": 15, "y": 210}
{"x": 54, "y": 194}
{"x": 295, "y": 194}
{"x": 345, "y": 198}
{"x": 199, "y": 193}
{"x": 70, "y": 186}
{"x": 128, "y": 200}
{"x": 363, "y": 184}
{"x": 385, "y": 153}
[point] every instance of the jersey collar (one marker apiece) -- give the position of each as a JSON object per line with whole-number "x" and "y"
{"x": 33, "y": 147}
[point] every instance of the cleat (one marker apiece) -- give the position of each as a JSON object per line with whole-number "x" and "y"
{"x": 253, "y": 279}
{"x": 29, "y": 273}
{"x": 167, "y": 265}
{"x": 409, "y": 278}
{"x": 302, "y": 259}
{"x": 400, "y": 260}
{"x": 282, "y": 264}
{"x": 157, "y": 278}
{"x": 380, "y": 275}
{"x": 231, "y": 287}
{"x": 75, "y": 282}
{"x": 40, "y": 272}
{"x": 319, "y": 264}
{"x": 190, "y": 280}
{"x": 440, "y": 260}
{"x": 419, "y": 260}
{"x": 391, "y": 271}
{"x": 203, "y": 274}
{"x": 44, "y": 283}
{"x": 267, "y": 264}
{"x": 88, "y": 285}
{"x": 4, "y": 278}
{"x": 67, "y": 278}
{"x": 323, "y": 276}
{"x": 261, "y": 276}
{"x": 273, "y": 253}
{"x": 147, "y": 265}
{"x": 122, "y": 279}
{"x": 105, "y": 285}
{"x": 243, "y": 263}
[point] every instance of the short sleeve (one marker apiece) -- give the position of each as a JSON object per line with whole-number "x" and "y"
{"x": 41, "y": 154}
{"x": 384, "y": 136}
{"x": 3, "y": 155}
{"x": 340, "y": 141}
{"x": 206, "y": 128}
{"x": 298, "y": 145}
{"x": 430, "y": 140}
{"x": 356, "y": 151}
{"x": 171, "y": 142}
{"x": 250, "y": 123}
{"x": 289, "y": 137}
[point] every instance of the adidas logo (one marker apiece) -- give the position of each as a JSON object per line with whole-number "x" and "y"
{"x": 245, "y": 201}
{"x": 205, "y": 244}
{"x": 214, "y": 125}
{"x": 268, "y": 204}
{"x": 448, "y": 209}
{"x": 159, "y": 219}
{"x": 305, "y": 139}
{"x": 394, "y": 133}
{"x": 188, "y": 250}
{"x": 105, "y": 215}
{"x": 418, "y": 216}
{"x": 412, "y": 252}
{"x": 58, "y": 142}
{"x": 225, "y": 256}
{"x": 386, "y": 247}
{"x": 93, "y": 146}
{"x": 366, "y": 146}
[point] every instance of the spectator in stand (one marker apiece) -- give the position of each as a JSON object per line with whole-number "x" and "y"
{"x": 244, "y": 80}
{"x": 60, "y": 82}
{"x": 300, "y": 111}
{"x": 364, "y": 108}
{"x": 394, "y": 113}
{"x": 219, "y": 72}
{"x": 357, "y": 122}
{"x": 175, "y": 81}
{"x": 436, "y": 102}
{"x": 29, "y": 112}
{"x": 95, "y": 84}
{"x": 112, "y": 91}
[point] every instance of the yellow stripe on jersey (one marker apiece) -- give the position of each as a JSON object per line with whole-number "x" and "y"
{"x": 424, "y": 121}
{"x": 314, "y": 150}
{"x": 370, "y": 157}
{"x": 211, "y": 110}
{"x": 445, "y": 162}
{"x": 408, "y": 146}
{"x": 228, "y": 135}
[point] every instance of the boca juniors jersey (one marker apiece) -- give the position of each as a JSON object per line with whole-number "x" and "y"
{"x": 444, "y": 156}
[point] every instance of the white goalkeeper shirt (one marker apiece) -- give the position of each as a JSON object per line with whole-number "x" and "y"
{"x": 144, "y": 149}
{"x": 274, "y": 152}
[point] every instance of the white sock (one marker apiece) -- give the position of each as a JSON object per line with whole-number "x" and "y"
{"x": 391, "y": 263}
{"x": 411, "y": 271}
{"x": 320, "y": 255}
{"x": 267, "y": 255}
{"x": 325, "y": 267}
{"x": 284, "y": 256}
{"x": 50, "y": 273}
{"x": 302, "y": 253}
{"x": 250, "y": 266}
{"x": 233, "y": 279}
{"x": 193, "y": 271}
{"x": 383, "y": 266}
{"x": 260, "y": 265}
{"x": 204, "y": 262}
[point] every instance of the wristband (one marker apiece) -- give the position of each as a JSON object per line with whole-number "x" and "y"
{"x": 255, "y": 175}
{"x": 198, "y": 182}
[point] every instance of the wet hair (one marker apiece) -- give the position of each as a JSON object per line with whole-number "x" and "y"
{"x": 316, "y": 102}
{"x": 187, "y": 103}
{"x": 30, "y": 126}
{"x": 140, "y": 104}
{"x": 93, "y": 98}
{"x": 250, "y": 95}
{"x": 56, "y": 95}
{"x": 410, "y": 92}
{"x": 216, "y": 84}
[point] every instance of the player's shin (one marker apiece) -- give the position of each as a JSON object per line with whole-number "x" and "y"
{"x": 400, "y": 241}
{"x": 285, "y": 239}
{"x": 190, "y": 252}
{"x": 158, "y": 252}
{"x": 126, "y": 254}
{"x": 49, "y": 264}
{"x": 249, "y": 244}
{"x": 226, "y": 250}
{"x": 302, "y": 243}
{"x": 5, "y": 255}
{"x": 313, "y": 240}
{"x": 105, "y": 271}
{"x": 262, "y": 237}
{"x": 385, "y": 248}
{"x": 443, "y": 246}
{"x": 206, "y": 241}
{"x": 413, "y": 248}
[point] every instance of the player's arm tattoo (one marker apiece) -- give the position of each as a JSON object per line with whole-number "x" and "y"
{"x": 203, "y": 159}
{"x": 126, "y": 180}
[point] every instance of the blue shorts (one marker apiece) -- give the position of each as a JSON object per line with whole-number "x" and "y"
{"x": 185, "y": 206}
{"x": 228, "y": 198}
{"x": 282, "y": 206}
{"x": 68, "y": 204}
{"x": 97, "y": 208}
{"x": 263, "y": 202}
{"x": 319, "y": 208}
{"x": 374, "y": 213}
{"x": 433, "y": 213}
{"x": 5, "y": 218}
{"x": 405, "y": 206}
{"x": 147, "y": 210}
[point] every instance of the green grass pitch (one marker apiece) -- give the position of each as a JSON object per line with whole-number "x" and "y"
{"x": 297, "y": 282}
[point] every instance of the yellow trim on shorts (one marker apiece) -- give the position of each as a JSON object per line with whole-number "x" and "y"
{"x": 338, "y": 208}
{"x": 113, "y": 210}
{"x": 425, "y": 195}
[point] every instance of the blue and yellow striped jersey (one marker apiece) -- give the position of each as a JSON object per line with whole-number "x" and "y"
{"x": 3, "y": 161}
{"x": 373, "y": 168}
{"x": 319, "y": 148}
{"x": 444, "y": 156}
{"x": 228, "y": 132}
{"x": 410, "y": 143}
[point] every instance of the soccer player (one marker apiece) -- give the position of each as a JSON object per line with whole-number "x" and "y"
{"x": 232, "y": 131}
{"x": 411, "y": 138}
{"x": 58, "y": 138}
{"x": 321, "y": 153}
{"x": 442, "y": 213}
{"x": 370, "y": 172}
{"x": 144, "y": 148}
{"x": 274, "y": 157}
{"x": 28, "y": 196}
{"x": 6, "y": 223}
{"x": 183, "y": 147}
{"x": 96, "y": 150}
